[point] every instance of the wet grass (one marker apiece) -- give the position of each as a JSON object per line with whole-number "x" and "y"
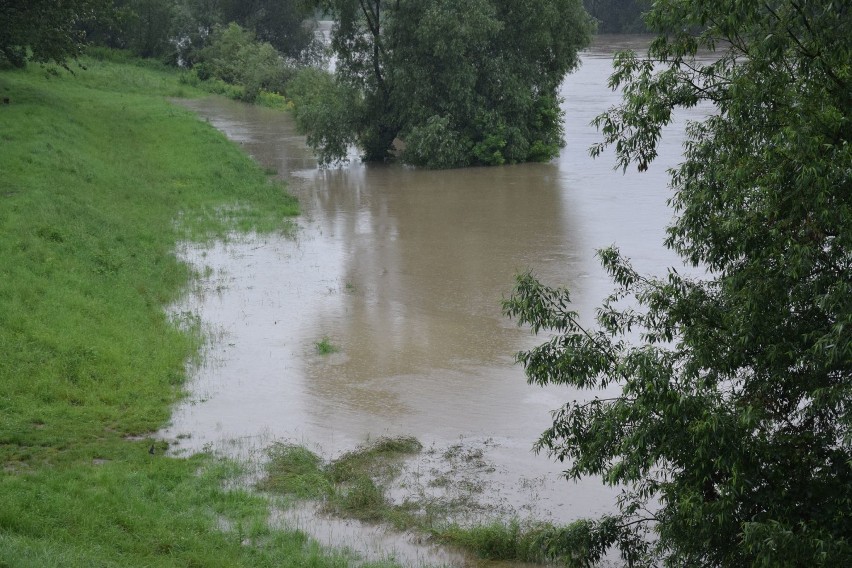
{"x": 360, "y": 477}
{"x": 378, "y": 459}
{"x": 356, "y": 486}
{"x": 296, "y": 471}
{"x": 101, "y": 178}
{"x": 351, "y": 485}
{"x": 512, "y": 540}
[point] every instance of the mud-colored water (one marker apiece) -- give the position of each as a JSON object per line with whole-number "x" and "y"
{"x": 403, "y": 270}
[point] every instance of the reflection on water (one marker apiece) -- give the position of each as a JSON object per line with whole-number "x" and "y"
{"x": 404, "y": 271}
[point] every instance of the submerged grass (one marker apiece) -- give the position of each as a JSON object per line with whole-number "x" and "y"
{"x": 505, "y": 540}
{"x": 296, "y": 471}
{"x": 359, "y": 478}
{"x": 379, "y": 459}
{"x": 101, "y": 178}
{"x": 355, "y": 485}
{"x": 350, "y": 485}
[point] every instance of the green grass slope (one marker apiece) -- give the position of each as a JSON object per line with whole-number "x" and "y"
{"x": 100, "y": 177}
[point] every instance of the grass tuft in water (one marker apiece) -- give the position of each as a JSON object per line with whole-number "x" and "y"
{"x": 360, "y": 476}
{"x": 511, "y": 540}
{"x": 325, "y": 347}
{"x": 295, "y": 470}
{"x": 360, "y": 498}
{"x": 379, "y": 459}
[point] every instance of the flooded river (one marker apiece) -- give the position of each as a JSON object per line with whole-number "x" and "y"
{"x": 403, "y": 271}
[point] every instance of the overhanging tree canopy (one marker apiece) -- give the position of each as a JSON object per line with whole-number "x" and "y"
{"x": 731, "y": 429}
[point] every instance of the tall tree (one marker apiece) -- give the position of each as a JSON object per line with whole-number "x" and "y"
{"x": 730, "y": 427}
{"x": 359, "y": 41}
{"x": 285, "y": 25}
{"x": 149, "y": 27}
{"x": 45, "y": 30}
{"x": 461, "y": 82}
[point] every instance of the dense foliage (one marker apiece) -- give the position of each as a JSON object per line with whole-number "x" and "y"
{"x": 726, "y": 417}
{"x": 284, "y": 25}
{"x": 459, "y": 82}
{"x": 44, "y": 30}
{"x": 235, "y": 56}
{"x": 618, "y": 16}
{"x": 175, "y": 31}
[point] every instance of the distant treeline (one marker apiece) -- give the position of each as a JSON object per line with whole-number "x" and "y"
{"x": 240, "y": 48}
{"x": 176, "y": 30}
{"x": 618, "y": 16}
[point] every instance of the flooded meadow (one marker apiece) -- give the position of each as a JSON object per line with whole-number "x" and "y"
{"x": 379, "y": 315}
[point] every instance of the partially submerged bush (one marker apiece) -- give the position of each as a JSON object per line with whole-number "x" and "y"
{"x": 435, "y": 145}
{"x": 234, "y": 55}
{"x": 326, "y": 110}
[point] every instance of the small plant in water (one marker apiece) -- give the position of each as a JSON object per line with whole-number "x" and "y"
{"x": 325, "y": 346}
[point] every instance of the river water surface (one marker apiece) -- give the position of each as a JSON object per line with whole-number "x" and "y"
{"x": 403, "y": 270}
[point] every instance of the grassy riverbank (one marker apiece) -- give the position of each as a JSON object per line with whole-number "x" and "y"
{"x": 100, "y": 177}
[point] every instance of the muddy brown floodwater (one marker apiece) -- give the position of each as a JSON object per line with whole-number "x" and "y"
{"x": 403, "y": 270}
